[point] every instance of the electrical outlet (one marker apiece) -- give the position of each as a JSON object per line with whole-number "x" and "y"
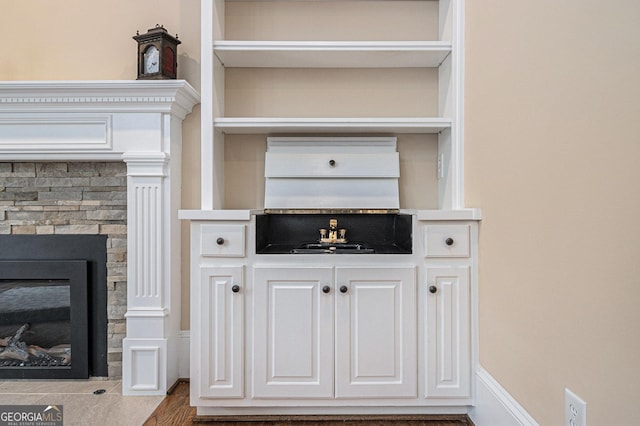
{"x": 575, "y": 409}
{"x": 440, "y": 166}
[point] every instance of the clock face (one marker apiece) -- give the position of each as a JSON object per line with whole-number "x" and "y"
{"x": 151, "y": 60}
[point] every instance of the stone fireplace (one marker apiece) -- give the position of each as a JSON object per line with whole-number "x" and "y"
{"x": 104, "y": 158}
{"x": 73, "y": 199}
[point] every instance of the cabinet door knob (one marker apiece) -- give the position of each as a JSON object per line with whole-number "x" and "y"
{"x": 220, "y": 241}
{"x": 326, "y": 289}
{"x": 433, "y": 289}
{"x": 235, "y": 288}
{"x": 449, "y": 241}
{"x": 343, "y": 289}
{"x": 332, "y": 163}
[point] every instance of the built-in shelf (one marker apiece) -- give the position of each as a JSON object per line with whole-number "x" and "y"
{"x": 331, "y": 54}
{"x": 234, "y": 102}
{"x": 259, "y": 125}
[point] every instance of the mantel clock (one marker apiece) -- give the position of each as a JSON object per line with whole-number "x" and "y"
{"x": 157, "y": 54}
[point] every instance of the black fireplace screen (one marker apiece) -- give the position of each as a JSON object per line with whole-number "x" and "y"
{"x": 43, "y": 319}
{"x": 33, "y": 260}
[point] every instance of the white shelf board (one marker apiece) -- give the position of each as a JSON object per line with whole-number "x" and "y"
{"x": 214, "y": 214}
{"x": 461, "y": 214}
{"x": 331, "y": 54}
{"x": 259, "y": 125}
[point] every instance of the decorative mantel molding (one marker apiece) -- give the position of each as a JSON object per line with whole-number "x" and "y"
{"x": 174, "y": 96}
{"x": 140, "y": 123}
{"x": 85, "y": 120}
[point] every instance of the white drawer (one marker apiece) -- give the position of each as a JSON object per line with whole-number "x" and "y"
{"x": 332, "y": 165}
{"x": 447, "y": 241}
{"x": 222, "y": 240}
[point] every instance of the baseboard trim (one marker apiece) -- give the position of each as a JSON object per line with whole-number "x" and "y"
{"x": 184, "y": 342}
{"x": 495, "y": 406}
{"x": 332, "y": 419}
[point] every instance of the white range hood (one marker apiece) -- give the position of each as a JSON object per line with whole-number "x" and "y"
{"x": 346, "y": 173}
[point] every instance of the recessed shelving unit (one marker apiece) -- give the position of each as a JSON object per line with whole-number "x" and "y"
{"x": 442, "y": 54}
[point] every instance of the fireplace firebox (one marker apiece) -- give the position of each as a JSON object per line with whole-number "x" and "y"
{"x": 43, "y": 319}
{"x": 53, "y": 322}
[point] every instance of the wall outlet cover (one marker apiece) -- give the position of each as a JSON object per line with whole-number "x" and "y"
{"x": 575, "y": 409}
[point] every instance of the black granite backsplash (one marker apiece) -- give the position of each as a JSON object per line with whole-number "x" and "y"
{"x": 384, "y": 233}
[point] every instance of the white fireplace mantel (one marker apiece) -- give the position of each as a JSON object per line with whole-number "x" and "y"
{"x": 140, "y": 123}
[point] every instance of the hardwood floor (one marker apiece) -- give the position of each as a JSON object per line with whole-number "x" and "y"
{"x": 174, "y": 410}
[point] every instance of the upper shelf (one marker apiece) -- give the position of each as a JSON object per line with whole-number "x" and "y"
{"x": 331, "y": 54}
{"x": 260, "y": 125}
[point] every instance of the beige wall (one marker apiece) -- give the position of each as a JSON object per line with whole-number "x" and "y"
{"x": 90, "y": 40}
{"x": 552, "y": 153}
{"x": 552, "y": 98}
{"x": 87, "y": 40}
{"x": 280, "y": 20}
{"x": 354, "y": 92}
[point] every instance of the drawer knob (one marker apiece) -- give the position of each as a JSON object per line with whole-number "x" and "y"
{"x": 326, "y": 289}
{"x": 449, "y": 241}
{"x": 235, "y": 288}
{"x": 220, "y": 241}
{"x": 433, "y": 289}
{"x": 332, "y": 163}
{"x": 343, "y": 289}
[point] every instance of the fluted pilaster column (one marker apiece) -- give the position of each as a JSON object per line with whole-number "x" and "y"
{"x": 145, "y": 349}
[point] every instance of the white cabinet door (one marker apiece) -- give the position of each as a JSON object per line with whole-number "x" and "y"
{"x": 293, "y": 332}
{"x": 447, "y": 340}
{"x": 376, "y": 354}
{"x": 221, "y": 311}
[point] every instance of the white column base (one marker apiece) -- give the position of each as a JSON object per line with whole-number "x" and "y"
{"x": 144, "y": 367}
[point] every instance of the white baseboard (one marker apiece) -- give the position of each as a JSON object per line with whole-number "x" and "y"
{"x": 494, "y": 406}
{"x": 184, "y": 341}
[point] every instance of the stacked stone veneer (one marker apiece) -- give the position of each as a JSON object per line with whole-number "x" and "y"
{"x": 75, "y": 198}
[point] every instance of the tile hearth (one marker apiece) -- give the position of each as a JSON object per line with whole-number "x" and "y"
{"x": 81, "y": 406}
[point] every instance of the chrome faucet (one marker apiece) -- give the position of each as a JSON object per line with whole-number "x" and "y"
{"x": 335, "y": 235}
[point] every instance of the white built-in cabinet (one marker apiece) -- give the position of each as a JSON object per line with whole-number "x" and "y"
{"x": 332, "y": 334}
{"x": 361, "y": 333}
{"x": 368, "y": 314}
